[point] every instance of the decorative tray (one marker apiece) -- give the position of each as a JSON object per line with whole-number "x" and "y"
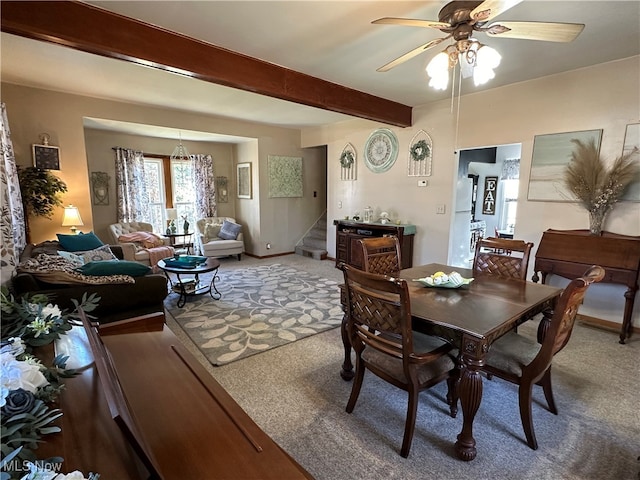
{"x": 442, "y": 280}
{"x": 185, "y": 261}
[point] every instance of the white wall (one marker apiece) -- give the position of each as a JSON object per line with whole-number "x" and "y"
{"x": 603, "y": 97}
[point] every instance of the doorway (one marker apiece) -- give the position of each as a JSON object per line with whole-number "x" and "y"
{"x": 486, "y": 199}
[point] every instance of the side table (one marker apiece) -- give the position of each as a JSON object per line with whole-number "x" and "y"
{"x": 181, "y": 240}
{"x": 186, "y": 287}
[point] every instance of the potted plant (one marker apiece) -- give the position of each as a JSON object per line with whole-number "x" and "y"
{"x": 40, "y": 191}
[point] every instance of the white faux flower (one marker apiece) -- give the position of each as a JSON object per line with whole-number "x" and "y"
{"x": 15, "y": 346}
{"x": 16, "y": 374}
{"x": 52, "y": 310}
{"x": 36, "y": 473}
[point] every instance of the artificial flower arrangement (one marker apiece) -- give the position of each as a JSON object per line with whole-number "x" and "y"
{"x": 28, "y": 388}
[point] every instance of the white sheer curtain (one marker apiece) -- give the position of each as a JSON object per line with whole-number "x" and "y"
{"x": 131, "y": 190}
{"x": 12, "y": 226}
{"x": 205, "y": 186}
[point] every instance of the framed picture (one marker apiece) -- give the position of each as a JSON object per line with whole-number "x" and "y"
{"x": 631, "y": 141}
{"x": 244, "y": 180}
{"x": 46, "y": 157}
{"x": 551, "y": 155}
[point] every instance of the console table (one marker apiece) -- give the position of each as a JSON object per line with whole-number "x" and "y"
{"x": 349, "y": 232}
{"x": 147, "y": 410}
{"x": 568, "y": 253}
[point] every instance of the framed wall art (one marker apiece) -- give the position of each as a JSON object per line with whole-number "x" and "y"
{"x": 285, "y": 177}
{"x": 490, "y": 195}
{"x": 551, "y": 155}
{"x": 631, "y": 142}
{"x": 244, "y": 180}
{"x": 381, "y": 150}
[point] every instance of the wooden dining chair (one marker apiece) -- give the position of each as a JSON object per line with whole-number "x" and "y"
{"x": 525, "y": 362}
{"x": 503, "y": 257}
{"x": 379, "y": 327}
{"x": 381, "y": 255}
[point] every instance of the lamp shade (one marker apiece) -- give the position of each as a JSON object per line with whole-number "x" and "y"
{"x": 172, "y": 214}
{"x": 71, "y": 218}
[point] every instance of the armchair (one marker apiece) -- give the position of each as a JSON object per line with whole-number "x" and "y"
{"x": 136, "y": 250}
{"x": 209, "y": 241}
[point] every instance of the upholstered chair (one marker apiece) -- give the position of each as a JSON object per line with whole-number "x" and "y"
{"x": 137, "y": 251}
{"x": 525, "y": 362}
{"x": 378, "y": 315}
{"x": 219, "y": 237}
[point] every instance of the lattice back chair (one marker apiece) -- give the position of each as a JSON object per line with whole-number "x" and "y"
{"x": 378, "y": 315}
{"x": 503, "y": 257}
{"x": 525, "y": 362}
{"x": 381, "y": 255}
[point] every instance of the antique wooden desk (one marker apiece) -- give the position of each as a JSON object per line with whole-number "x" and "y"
{"x": 568, "y": 253}
{"x": 471, "y": 318}
{"x": 188, "y": 425}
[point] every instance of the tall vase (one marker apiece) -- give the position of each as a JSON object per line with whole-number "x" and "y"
{"x": 186, "y": 227}
{"x": 596, "y": 221}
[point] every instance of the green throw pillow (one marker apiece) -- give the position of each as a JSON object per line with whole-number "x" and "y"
{"x": 114, "y": 267}
{"x": 80, "y": 242}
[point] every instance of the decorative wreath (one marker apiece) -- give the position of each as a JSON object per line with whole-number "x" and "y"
{"x": 346, "y": 159}
{"x": 420, "y": 150}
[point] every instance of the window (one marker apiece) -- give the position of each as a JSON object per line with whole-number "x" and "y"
{"x": 169, "y": 188}
{"x": 510, "y": 188}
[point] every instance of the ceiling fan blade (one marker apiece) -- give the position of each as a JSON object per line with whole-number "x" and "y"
{"x": 411, "y": 22}
{"x": 492, "y": 8}
{"x": 411, "y": 54}
{"x": 545, "y": 31}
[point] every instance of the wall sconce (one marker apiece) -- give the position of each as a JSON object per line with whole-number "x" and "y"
{"x": 222, "y": 190}
{"x": 100, "y": 188}
{"x": 71, "y": 218}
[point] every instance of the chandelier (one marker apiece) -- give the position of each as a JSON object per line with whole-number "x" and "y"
{"x": 180, "y": 152}
{"x": 473, "y": 57}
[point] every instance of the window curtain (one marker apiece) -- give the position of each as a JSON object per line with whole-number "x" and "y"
{"x": 132, "y": 198}
{"x": 510, "y": 169}
{"x": 205, "y": 186}
{"x": 12, "y": 226}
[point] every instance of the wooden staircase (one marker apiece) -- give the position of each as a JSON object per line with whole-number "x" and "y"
{"x": 314, "y": 243}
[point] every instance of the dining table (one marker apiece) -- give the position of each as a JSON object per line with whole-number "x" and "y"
{"x": 470, "y": 317}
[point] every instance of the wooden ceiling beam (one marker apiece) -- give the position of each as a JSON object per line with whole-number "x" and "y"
{"x": 94, "y": 30}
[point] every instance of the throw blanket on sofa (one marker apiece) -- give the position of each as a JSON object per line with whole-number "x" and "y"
{"x": 158, "y": 253}
{"x": 146, "y": 239}
{"x": 55, "y": 269}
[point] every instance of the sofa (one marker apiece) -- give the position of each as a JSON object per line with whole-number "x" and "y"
{"x": 219, "y": 237}
{"x": 137, "y": 251}
{"x": 117, "y": 301}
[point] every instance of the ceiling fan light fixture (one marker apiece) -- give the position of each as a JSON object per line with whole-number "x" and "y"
{"x": 438, "y": 71}
{"x": 487, "y": 57}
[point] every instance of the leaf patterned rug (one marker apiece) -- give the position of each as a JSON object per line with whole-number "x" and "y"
{"x": 261, "y": 308}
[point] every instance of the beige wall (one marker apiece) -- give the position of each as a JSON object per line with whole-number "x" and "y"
{"x": 33, "y": 111}
{"x": 603, "y": 97}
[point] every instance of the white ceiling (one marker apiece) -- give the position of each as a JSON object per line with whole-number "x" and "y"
{"x": 330, "y": 39}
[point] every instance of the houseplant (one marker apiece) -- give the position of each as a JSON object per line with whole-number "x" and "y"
{"x": 40, "y": 191}
{"x": 596, "y": 187}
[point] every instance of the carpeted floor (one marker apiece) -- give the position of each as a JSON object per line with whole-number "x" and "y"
{"x": 261, "y": 307}
{"x": 296, "y": 395}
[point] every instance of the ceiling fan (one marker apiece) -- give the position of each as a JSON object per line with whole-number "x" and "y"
{"x": 460, "y": 19}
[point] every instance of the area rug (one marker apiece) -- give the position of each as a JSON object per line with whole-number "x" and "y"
{"x": 261, "y": 308}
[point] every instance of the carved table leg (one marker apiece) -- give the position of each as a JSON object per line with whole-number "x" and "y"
{"x": 470, "y": 394}
{"x": 626, "y": 329}
{"x": 347, "y": 367}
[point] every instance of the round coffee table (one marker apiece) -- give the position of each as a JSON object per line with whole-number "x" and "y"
{"x": 186, "y": 287}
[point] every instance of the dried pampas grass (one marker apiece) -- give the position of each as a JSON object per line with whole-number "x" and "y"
{"x": 593, "y": 185}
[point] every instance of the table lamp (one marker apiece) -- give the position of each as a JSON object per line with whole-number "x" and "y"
{"x": 172, "y": 215}
{"x": 71, "y": 218}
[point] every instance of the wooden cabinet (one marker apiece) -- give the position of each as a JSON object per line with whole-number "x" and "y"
{"x": 348, "y": 233}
